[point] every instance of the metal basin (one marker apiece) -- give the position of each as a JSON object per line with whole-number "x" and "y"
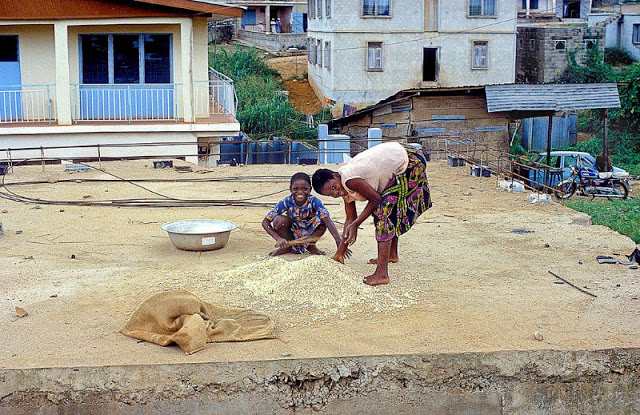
{"x": 199, "y": 234}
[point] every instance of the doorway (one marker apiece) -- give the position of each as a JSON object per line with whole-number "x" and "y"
{"x": 571, "y": 9}
{"x": 10, "y": 79}
{"x": 430, "y": 64}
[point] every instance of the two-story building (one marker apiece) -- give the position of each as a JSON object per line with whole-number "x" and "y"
{"x": 362, "y": 51}
{"x": 84, "y": 79}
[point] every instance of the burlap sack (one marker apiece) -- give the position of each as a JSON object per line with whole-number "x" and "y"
{"x": 182, "y": 318}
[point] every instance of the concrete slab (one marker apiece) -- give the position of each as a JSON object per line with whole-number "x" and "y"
{"x": 470, "y": 294}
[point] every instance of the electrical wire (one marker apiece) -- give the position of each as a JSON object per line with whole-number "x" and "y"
{"x": 165, "y": 202}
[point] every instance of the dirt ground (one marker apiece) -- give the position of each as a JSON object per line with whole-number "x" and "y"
{"x": 293, "y": 70}
{"x": 473, "y": 274}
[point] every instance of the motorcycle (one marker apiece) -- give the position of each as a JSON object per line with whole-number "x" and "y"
{"x": 590, "y": 182}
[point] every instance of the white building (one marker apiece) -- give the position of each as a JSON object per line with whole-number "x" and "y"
{"x": 362, "y": 51}
{"x": 622, "y": 29}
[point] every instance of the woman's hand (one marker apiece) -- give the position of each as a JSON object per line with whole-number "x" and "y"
{"x": 282, "y": 243}
{"x": 350, "y": 233}
{"x": 347, "y": 251}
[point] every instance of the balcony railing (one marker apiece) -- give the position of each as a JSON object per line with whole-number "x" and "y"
{"x": 27, "y": 103}
{"x": 222, "y": 93}
{"x": 125, "y": 102}
{"x": 118, "y": 103}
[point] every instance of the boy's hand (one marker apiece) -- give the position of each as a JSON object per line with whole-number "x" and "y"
{"x": 282, "y": 243}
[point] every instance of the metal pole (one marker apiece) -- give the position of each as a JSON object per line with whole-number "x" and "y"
{"x": 546, "y": 172}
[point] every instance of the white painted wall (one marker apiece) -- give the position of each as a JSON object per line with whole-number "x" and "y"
{"x": 611, "y": 35}
{"x": 404, "y": 37}
{"x": 620, "y": 32}
{"x": 626, "y": 34}
{"x": 115, "y": 140}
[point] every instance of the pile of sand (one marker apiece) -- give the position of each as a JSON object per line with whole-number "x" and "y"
{"x": 315, "y": 286}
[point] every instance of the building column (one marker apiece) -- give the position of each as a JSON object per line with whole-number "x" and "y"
{"x": 63, "y": 77}
{"x": 186, "y": 36}
{"x": 267, "y": 19}
{"x": 528, "y": 7}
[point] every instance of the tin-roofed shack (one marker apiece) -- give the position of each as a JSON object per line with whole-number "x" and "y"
{"x": 427, "y": 115}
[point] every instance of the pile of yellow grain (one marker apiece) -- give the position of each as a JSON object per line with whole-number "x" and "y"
{"x": 315, "y": 286}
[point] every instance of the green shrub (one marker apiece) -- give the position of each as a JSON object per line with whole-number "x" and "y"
{"x": 617, "y": 57}
{"x": 263, "y": 110}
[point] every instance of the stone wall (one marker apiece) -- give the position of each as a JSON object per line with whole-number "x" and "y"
{"x": 273, "y": 41}
{"x": 542, "y": 51}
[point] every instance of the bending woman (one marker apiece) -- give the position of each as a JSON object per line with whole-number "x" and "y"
{"x": 392, "y": 179}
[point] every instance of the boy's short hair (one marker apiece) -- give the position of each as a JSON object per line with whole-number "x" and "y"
{"x": 320, "y": 177}
{"x": 300, "y": 176}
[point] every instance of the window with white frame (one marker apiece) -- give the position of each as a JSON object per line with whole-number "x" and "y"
{"x": 311, "y": 6}
{"x": 374, "y": 56}
{"x": 560, "y": 44}
{"x": 481, "y": 8}
{"x": 327, "y": 55}
{"x": 532, "y": 44}
{"x": 636, "y": 34}
{"x": 520, "y": 43}
{"x": 590, "y": 43}
{"x": 376, "y": 7}
{"x": 328, "y": 8}
{"x": 319, "y": 52}
{"x": 533, "y": 4}
{"x": 319, "y": 9}
{"x": 480, "y": 48}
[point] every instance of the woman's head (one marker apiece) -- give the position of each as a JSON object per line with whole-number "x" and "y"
{"x": 300, "y": 187}
{"x": 327, "y": 183}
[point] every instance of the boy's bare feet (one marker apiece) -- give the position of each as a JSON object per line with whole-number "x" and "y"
{"x": 376, "y": 279}
{"x": 314, "y": 250}
{"x": 392, "y": 260}
{"x": 280, "y": 251}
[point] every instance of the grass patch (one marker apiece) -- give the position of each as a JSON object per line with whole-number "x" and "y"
{"x": 622, "y": 216}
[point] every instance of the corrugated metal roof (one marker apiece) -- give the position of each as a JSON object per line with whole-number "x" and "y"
{"x": 551, "y": 97}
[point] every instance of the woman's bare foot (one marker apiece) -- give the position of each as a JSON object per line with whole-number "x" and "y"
{"x": 314, "y": 250}
{"x": 377, "y": 261}
{"x": 376, "y": 279}
{"x": 280, "y": 251}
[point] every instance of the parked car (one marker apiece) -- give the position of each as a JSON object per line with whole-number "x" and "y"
{"x": 561, "y": 160}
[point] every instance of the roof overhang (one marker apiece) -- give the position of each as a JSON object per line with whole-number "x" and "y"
{"x": 205, "y": 7}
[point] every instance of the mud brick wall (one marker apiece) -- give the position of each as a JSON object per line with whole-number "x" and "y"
{"x": 541, "y": 52}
